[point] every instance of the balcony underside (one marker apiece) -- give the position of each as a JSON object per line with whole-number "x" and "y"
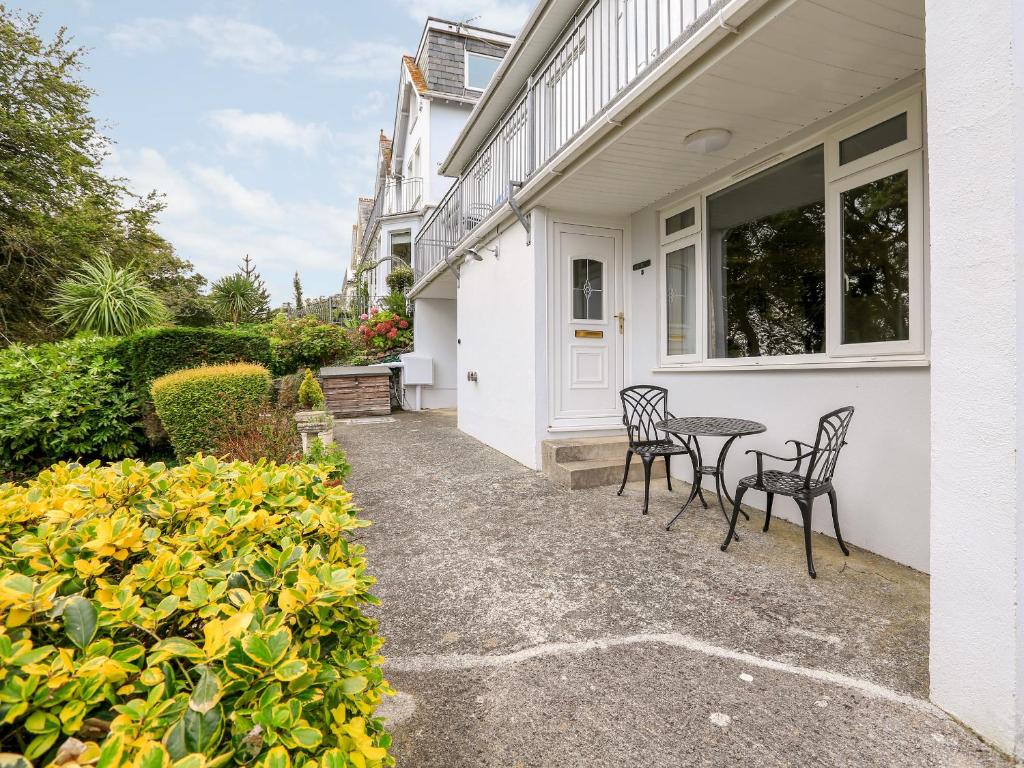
{"x": 808, "y": 60}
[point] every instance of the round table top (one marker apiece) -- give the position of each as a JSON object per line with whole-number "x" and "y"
{"x": 711, "y": 426}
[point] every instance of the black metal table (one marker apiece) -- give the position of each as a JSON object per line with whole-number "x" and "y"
{"x": 688, "y": 429}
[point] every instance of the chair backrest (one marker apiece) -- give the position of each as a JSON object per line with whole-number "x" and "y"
{"x": 642, "y": 407}
{"x": 831, "y": 438}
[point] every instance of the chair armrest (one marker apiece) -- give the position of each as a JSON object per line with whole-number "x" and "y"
{"x": 761, "y": 454}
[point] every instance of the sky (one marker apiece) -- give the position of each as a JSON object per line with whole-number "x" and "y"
{"x": 256, "y": 119}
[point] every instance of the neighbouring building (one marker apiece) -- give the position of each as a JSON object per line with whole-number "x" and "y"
{"x": 437, "y": 90}
{"x": 772, "y": 208}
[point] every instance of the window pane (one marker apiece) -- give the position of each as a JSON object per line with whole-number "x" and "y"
{"x": 587, "y": 289}
{"x": 680, "y": 221}
{"x": 876, "y": 261}
{"x": 480, "y": 70}
{"x": 766, "y": 249}
{"x": 885, "y": 134}
{"x": 680, "y": 300}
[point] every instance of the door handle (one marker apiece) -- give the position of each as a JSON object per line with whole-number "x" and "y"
{"x": 621, "y": 317}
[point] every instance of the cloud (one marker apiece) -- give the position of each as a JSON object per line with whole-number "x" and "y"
{"x": 500, "y": 15}
{"x": 244, "y": 129}
{"x": 213, "y": 219}
{"x": 143, "y": 34}
{"x": 248, "y": 45}
{"x": 259, "y": 49}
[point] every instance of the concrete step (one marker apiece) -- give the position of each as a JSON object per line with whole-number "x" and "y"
{"x": 582, "y": 448}
{"x": 595, "y": 473}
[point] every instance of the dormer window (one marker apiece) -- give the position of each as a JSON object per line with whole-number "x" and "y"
{"x": 480, "y": 69}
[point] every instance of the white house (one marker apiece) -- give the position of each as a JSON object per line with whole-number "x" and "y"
{"x": 437, "y": 89}
{"x": 772, "y": 208}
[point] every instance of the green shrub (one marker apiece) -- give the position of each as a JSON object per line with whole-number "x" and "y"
{"x": 331, "y": 456}
{"x": 212, "y": 609}
{"x": 305, "y": 342}
{"x": 400, "y": 279}
{"x": 63, "y": 401}
{"x": 311, "y": 396}
{"x": 151, "y": 353}
{"x": 194, "y": 404}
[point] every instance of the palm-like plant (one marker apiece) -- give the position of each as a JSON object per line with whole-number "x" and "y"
{"x": 108, "y": 300}
{"x": 236, "y": 297}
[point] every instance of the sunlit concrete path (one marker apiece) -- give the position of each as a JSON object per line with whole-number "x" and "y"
{"x": 527, "y": 625}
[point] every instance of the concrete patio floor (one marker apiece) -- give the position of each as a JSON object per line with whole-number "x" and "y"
{"x": 527, "y": 625}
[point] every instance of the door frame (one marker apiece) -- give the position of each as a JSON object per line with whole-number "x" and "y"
{"x": 556, "y": 307}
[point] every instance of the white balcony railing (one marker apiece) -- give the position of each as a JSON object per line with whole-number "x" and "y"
{"x": 609, "y": 44}
{"x": 394, "y": 197}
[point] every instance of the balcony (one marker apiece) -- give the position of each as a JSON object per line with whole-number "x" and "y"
{"x": 396, "y": 196}
{"x": 608, "y": 47}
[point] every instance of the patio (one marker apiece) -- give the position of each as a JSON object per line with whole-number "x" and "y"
{"x": 527, "y": 625}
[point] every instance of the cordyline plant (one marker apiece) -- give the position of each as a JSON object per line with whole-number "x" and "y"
{"x": 384, "y": 329}
{"x": 108, "y": 300}
{"x": 204, "y": 615}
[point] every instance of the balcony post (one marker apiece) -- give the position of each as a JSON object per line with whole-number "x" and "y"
{"x": 531, "y": 117}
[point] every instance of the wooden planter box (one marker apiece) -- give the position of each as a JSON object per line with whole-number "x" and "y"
{"x": 356, "y": 390}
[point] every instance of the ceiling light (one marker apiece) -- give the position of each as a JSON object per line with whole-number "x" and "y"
{"x": 708, "y": 140}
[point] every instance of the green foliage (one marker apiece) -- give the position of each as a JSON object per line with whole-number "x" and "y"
{"x": 311, "y": 396}
{"x": 108, "y": 300}
{"x": 397, "y": 304}
{"x": 262, "y": 310}
{"x": 153, "y": 352}
{"x": 329, "y": 455}
{"x": 305, "y": 342}
{"x": 297, "y": 288}
{"x": 58, "y": 211}
{"x": 205, "y": 615}
{"x": 383, "y": 330}
{"x": 236, "y": 298}
{"x": 194, "y": 404}
{"x": 62, "y": 401}
{"x": 400, "y": 279}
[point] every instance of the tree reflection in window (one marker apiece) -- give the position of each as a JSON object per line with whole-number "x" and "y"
{"x": 767, "y": 259}
{"x": 876, "y": 265}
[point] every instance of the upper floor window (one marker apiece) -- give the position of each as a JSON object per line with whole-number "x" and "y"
{"x": 480, "y": 69}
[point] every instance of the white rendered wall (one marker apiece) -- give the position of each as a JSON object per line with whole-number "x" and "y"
{"x": 435, "y": 332}
{"x": 498, "y": 313}
{"x": 976, "y": 130}
{"x": 882, "y": 478}
{"x": 446, "y": 121}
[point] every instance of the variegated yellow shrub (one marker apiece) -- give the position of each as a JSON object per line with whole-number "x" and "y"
{"x": 203, "y": 615}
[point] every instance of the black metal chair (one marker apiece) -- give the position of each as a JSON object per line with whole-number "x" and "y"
{"x": 805, "y": 487}
{"x": 642, "y": 407}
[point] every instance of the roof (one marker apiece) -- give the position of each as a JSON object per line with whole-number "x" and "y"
{"x": 415, "y": 74}
{"x": 385, "y": 150}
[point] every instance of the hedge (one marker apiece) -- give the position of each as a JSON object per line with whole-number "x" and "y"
{"x": 194, "y": 404}
{"x": 66, "y": 400}
{"x": 153, "y": 352}
{"x": 209, "y": 614}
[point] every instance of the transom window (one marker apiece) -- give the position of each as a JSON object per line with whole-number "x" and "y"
{"x": 587, "y": 289}
{"x": 480, "y": 69}
{"x": 820, "y": 255}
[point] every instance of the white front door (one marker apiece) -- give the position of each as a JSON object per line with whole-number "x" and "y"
{"x": 588, "y": 360}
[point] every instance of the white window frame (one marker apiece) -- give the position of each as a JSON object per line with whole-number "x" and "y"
{"x": 911, "y": 105}
{"x": 700, "y": 292}
{"x": 905, "y": 155}
{"x": 668, "y": 213}
{"x": 465, "y": 70}
{"x": 914, "y": 345}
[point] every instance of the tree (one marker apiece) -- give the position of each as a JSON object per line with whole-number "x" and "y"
{"x": 248, "y": 268}
{"x": 235, "y": 297}
{"x": 297, "y": 285}
{"x": 108, "y": 300}
{"x": 58, "y": 212}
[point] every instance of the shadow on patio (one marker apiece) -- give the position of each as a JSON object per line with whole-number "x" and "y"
{"x": 528, "y": 625}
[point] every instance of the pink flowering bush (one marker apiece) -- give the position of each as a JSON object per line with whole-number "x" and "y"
{"x": 382, "y": 329}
